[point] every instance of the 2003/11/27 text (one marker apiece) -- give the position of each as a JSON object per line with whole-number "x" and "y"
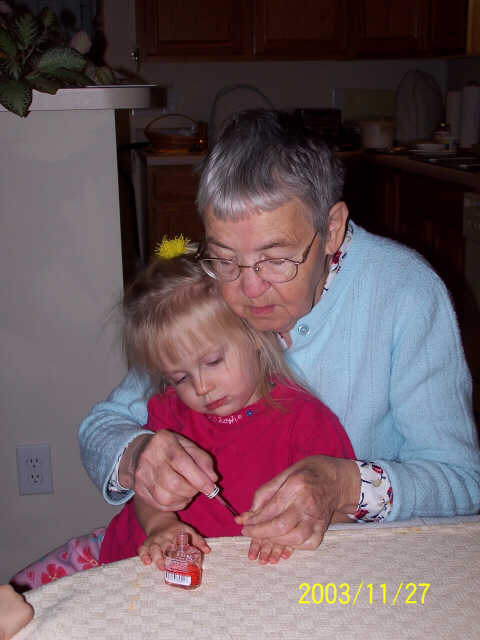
{"x": 405, "y": 593}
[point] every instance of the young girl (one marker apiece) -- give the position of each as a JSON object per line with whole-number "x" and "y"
{"x": 223, "y": 385}
{"x": 226, "y": 387}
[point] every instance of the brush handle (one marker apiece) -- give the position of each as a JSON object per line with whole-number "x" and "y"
{"x": 215, "y": 493}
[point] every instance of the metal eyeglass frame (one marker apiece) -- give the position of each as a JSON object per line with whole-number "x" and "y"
{"x": 257, "y": 267}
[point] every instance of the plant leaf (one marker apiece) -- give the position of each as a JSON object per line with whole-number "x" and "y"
{"x": 7, "y": 44}
{"x": 16, "y": 96}
{"x": 70, "y": 77}
{"x": 26, "y": 30}
{"x": 12, "y": 68}
{"x": 49, "y": 28}
{"x": 104, "y": 75}
{"x": 60, "y": 58}
{"x": 91, "y": 72}
{"x": 48, "y": 18}
{"x": 43, "y": 83}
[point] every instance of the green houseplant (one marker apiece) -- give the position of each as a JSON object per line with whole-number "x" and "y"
{"x": 34, "y": 54}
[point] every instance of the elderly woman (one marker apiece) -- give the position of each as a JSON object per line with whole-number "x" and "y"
{"x": 365, "y": 322}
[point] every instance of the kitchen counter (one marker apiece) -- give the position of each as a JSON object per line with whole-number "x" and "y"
{"x": 116, "y": 96}
{"x": 407, "y": 163}
{"x": 153, "y": 158}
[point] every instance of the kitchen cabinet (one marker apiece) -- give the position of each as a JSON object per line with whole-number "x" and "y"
{"x": 299, "y": 29}
{"x": 473, "y": 28}
{"x": 409, "y": 28}
{"x": 307, "y": 29}
{"x": 170, "y": 184}
{"x": 397, "y": 27}
{"x": 422, "y": 212}
{"x": 191, "y": 29}
{"x": 448, "y": 27}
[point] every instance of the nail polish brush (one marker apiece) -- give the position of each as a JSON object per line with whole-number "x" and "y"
{"x": 215, "y": 493}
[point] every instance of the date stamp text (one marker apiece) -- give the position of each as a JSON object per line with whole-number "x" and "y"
{"x": 343, "y": 593}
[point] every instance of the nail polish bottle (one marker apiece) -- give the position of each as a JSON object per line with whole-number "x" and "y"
{"x": 183, "y": 564}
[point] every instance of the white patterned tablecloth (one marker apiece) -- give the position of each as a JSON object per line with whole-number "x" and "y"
{"x": 240, "y": 599}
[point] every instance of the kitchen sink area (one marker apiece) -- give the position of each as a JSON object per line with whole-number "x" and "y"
{"x": 462, "y": 161}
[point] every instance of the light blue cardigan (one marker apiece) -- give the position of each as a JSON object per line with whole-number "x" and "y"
{"x": 382, "y": 350}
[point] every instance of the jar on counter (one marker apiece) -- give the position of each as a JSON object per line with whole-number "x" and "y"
{"x": 442, "y": 135}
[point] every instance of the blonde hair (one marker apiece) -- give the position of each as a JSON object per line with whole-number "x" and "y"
{"x": 173, "y": 306}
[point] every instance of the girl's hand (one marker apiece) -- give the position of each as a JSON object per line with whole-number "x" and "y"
{"x": 268, "y": 552}
{"x": 152, "y": 550}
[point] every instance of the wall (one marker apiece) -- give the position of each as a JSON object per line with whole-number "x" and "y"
{"x": 60, "y": 260}
{"x": 462, "y": 71}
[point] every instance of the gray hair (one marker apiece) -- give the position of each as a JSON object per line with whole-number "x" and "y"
{"x": 262, "y": 160}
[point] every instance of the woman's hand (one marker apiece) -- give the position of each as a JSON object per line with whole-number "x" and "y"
{"x": 166, "y": 470}
{"x": 155, "y": 545}
{"x": 295, "y": 508}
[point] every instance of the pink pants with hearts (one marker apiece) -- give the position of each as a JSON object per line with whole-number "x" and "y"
{"x": 78, "y": 554}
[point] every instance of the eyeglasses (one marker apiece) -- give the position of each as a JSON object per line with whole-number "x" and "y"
{"x": 273, "y": 270}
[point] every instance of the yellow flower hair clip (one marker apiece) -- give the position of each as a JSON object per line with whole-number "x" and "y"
{"x": 173, "y": 247}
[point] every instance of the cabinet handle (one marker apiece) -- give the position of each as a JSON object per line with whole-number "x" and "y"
{"x": 135, "y": 56}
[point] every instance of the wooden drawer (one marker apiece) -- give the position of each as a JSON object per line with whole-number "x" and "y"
{"x": 171, "y": 208}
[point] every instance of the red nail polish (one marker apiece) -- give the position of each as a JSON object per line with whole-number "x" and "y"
{"x": 183, "y": 564}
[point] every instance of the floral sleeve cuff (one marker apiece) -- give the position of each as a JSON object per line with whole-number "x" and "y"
{"x": 376, "y": 494}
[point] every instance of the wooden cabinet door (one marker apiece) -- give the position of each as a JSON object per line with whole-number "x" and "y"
{"x": 371, "y": 194}
{"x": 299, "y": 28}
{"x": 390, "y": 28}
{"x": 423, "y": 213}
{"x": 171, "y": 208}
{"x": 448, "y": 27}
{"x": 192, "y": 28}
{"x": 431, "y": 221}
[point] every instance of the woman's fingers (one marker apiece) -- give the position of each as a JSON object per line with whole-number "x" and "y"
{"x": 266, "y": 492}
{"x": 291, "y": 528}
{"x": 170, "y": 470}
{"x": 295, "y": 508}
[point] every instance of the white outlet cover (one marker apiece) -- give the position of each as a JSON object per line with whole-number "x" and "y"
{"x": 34, "y": 469}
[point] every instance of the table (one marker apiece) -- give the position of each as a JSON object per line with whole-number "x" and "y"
{"x": 369, "y": 584}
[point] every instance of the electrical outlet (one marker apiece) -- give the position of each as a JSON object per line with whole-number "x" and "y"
{"x": 34, "y": 468}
